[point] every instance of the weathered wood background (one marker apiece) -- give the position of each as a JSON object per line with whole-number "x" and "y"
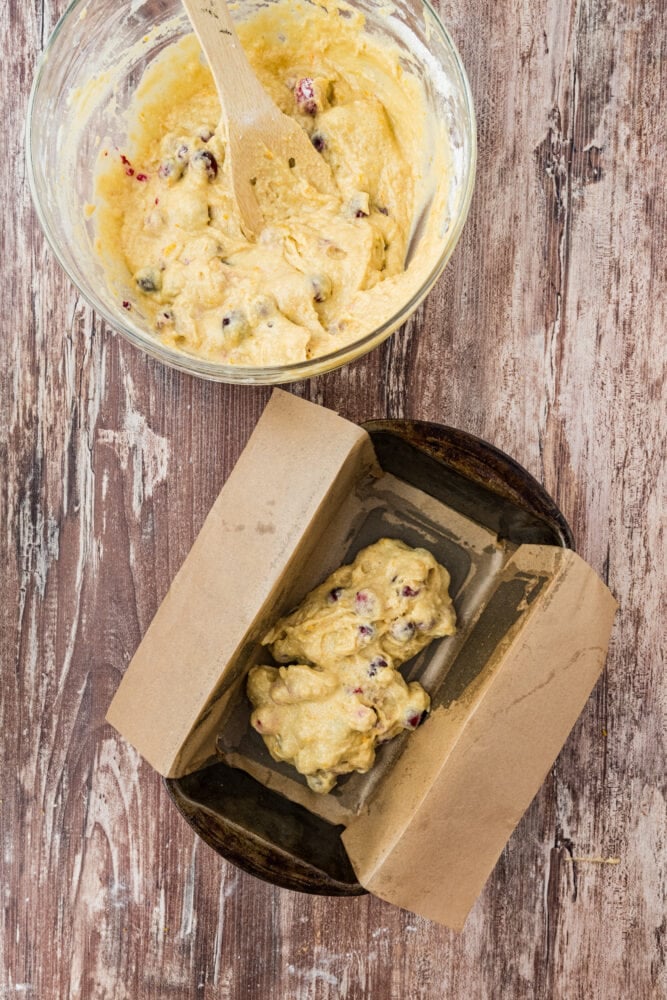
{"x": 547, "y": 336}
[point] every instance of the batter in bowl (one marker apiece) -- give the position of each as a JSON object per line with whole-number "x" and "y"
{"x": 326, "y": 716}
{"x": 326, "y": 268}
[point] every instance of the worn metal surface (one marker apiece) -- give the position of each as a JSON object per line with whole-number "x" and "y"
{"x": 546, "y": 336}
{"x": 257, "y": 828}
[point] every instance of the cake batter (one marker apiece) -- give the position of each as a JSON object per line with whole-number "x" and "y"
{"x": 326, "y": 268}
{"x": 326, "y": 716}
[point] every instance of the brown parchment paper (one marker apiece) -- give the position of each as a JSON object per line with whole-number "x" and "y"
{"x": 425, "y": 827}
{"x": 297, "y": 467}
{"x": 431, "y": 836}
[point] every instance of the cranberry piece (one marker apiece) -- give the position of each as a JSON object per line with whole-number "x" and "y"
{"x": 377, "y": 663}
{"x": 409, "y": 592}
{"x": 358, "y": 691}
{"x": 235, "y": 323}
{"x": 366, "y": 630}
{"x": 426, "y": 626}
{"x": 166, "y": 169}
{"x": 205, "y": 160}
{"x": 142, "y": 177}
{"x": 166, "y": 318}
{"x": 126, "y": 304}
{"x": 304, "y": 95}
{"x": 321, "y": 285}
{"x": 402, "y": 630}
{"x": 414, "y": 720}
{"x": 148, "y": 279}
{"x": 232, "y": 318}
{"x": 319, "y": 142}
{"x": 360, "y": 214}
{"x": 334, "y": 594}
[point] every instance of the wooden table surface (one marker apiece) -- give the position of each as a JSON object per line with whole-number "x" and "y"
{"x": 546, "y": 336}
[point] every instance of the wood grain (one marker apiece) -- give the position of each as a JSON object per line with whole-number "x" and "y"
{"x": 547, "y": 337}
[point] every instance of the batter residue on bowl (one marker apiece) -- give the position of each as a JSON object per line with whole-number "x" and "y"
{"x": 327, "y": 268}
{"x": 328, "y": 711}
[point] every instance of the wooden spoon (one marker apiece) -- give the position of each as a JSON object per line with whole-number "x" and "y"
{"x": 256, "y": 127}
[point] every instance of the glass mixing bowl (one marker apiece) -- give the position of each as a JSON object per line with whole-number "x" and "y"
{"x": 111, "y": 44}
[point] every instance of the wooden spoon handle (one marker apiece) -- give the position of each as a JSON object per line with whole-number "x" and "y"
{"x": 239, "y": 90}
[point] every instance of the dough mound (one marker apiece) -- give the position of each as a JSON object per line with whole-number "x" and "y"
{"x": 326, "y": 713}
{"x": 390, "y": 602}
